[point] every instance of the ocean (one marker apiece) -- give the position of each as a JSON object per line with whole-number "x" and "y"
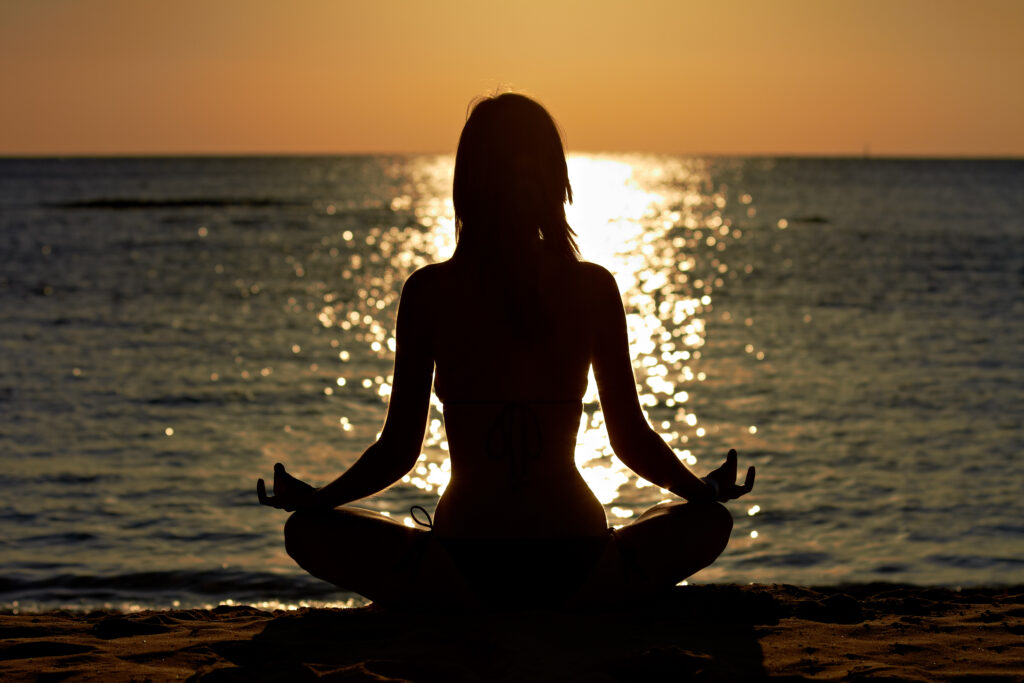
{"x": 171, "y": 327}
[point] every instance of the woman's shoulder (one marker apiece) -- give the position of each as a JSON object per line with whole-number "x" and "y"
{"x": 596, "y": 279}
{"x": 594, "y": 272}
{"x": 425, "y": 278}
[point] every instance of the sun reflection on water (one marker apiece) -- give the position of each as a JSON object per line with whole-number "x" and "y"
{"x": 651, "y": 222}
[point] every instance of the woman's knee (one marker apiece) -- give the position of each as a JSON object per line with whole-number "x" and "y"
{"x": 721, "y": 522}
{"x": 721, "y": 518}
{"x": 715, "y": 519}
{"x": 710, "y": 515}
{"x": 299, "y": 532}
{"x": 716, "y": 523}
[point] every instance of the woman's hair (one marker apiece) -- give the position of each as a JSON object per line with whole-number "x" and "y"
{"x": 511, "y": 182}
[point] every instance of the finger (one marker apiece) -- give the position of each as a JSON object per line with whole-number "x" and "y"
{"x": 748, "y": 485}
{"x": 261, "y": 493}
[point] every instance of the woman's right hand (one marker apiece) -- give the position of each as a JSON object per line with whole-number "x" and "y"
{"x": 724, "y": 479}
{"x": 290, "y": 493}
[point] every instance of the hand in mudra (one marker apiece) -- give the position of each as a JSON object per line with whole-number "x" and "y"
{"x": 725, "y": 478}
{"x": 289, "y": 493}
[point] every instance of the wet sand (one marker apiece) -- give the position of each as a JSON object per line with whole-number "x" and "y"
{"x": 714, "y": 633}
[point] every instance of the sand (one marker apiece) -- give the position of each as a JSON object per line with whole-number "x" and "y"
{"x": 713, "y": 633}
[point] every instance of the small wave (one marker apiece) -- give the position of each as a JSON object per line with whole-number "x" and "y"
{"x": 1006, "y": 529}
{"x": 59, "y": 539}
{"x": 976, "y": 562}
{"x": 175, "y": 203}
{"x": 187, "y": 587}
{"x": 206, "y": 536}
{"x": 10, "y": 514}
{"x": 788, "y": 560}
{"x": 228, "y": 397}
{"x": 69, "y": 478}
{"x": 58, "y": 478}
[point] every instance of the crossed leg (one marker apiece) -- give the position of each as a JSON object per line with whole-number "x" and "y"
{"x": 373, "y": 555}
{"x": 666, "y": 544}
{"x": 377, "y": 557}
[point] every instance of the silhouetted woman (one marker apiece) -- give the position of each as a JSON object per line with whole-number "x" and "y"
{"x": 507, "y": 330}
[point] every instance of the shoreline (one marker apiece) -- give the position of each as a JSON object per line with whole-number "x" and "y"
{"x": 704, "y": 632}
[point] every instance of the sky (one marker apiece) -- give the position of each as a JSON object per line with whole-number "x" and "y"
{"x": 731, "y": 77}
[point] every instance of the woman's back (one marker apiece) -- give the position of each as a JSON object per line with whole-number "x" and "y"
{"x": 511, "y": 357}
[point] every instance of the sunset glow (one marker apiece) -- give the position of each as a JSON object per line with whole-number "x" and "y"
{"x": 907, "y": 77}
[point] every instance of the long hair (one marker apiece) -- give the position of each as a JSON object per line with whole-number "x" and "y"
{"x": 511, "y": 184}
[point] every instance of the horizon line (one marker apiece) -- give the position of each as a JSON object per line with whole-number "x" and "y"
{"x": 569, "y": 153}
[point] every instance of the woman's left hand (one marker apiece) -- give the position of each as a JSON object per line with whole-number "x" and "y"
{"x": 725, "y": 479}
{"x": 289, "y": 493}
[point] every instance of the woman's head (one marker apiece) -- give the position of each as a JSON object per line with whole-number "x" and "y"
{"x": 511, "y": 180}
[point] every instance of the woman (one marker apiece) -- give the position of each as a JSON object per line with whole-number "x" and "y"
{"x": 508, "y": 329}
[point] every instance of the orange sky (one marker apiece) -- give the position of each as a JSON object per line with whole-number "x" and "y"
{"x": 928, "y": 77}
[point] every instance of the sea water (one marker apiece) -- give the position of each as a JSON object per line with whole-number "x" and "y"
{"x": 173, "y": 327}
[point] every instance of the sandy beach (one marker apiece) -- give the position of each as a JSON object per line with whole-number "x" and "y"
{"x": 782, "y": 632}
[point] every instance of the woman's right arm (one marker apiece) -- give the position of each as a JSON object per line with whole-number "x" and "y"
{"x": 398, "y": 448}
{"x": 639, "y": 447}
{"x": 401, "y": 439}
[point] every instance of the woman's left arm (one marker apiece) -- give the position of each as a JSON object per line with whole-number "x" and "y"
{"x": 398, "y": 448}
